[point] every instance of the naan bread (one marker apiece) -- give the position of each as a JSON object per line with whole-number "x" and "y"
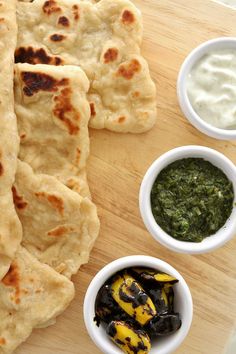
{"x": 32, "y": 295}
{"x": 10, "y": 228}
{"x": 104, "y": 39}
{"x": 53, "y": 113}
{"x": 59, "y": 226}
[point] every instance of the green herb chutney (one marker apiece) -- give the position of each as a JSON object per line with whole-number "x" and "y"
{"x": 191, "y": 199}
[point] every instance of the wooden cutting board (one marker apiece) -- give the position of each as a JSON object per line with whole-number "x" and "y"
{"x": 172, "y": 28}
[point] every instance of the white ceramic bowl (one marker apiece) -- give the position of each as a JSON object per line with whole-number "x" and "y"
{"x": 183, "y": 304}
{"x": 185, "y": 104}
{"x": 209, "y": 243}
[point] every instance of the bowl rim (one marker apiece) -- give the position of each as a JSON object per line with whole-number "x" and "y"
{"x": 184, "y": 102}
{"x": 125, "y": 262}
{"x": 208, "y": 244}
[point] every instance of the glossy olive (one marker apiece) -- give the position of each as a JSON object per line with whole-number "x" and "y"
{"x": 164, "y": 325}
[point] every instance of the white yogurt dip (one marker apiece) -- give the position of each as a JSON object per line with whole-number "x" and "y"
{"x": 230, "y": 3}
{"x": 211, "y": 88}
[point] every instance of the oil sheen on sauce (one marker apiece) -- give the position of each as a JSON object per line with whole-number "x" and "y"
{"x": 211, "y": 88}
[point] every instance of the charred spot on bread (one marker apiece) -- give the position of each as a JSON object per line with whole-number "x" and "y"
{"x": 128, "y": 70}
{"x": 121, "y": 119}
{"x": 66, "y": 112}
{"x": 78, "y": 154}
{"x": 37, "y": 81}
{"x": 1, "y": 169}
{"x": 35, "y": 56}
{"x": 50, "y": 7}
{"x": 76, "y": 12}
{"x": 12, "y": 279}
{"x": 55, "y": 201}
{"x": 110, "y": 55}
{"x": 92, "y": 109}
{"x": 19, "y": 201}
{"x": 22, "y": 136}
{"x": 57, "y": 37}
{"x": 59, "y": 231}
{"x": 135, "y": 94}
{"x": 128, "y": 17}
{"x": 64, "y": 21}
{"x": 2, "y": 341}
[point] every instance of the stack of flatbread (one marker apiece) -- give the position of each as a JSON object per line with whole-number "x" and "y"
{"x": 77, "y": 64}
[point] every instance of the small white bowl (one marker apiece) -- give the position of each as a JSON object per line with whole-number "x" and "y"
{"x": 209, "y": 243}
{"x": 183, "y": 304}
{"x": 185, "y": 104}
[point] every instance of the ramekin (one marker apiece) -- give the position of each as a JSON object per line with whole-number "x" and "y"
{"x": 185, "y": 104}
{"x": 209, "y": 243}
{"x": 183, "y": 305}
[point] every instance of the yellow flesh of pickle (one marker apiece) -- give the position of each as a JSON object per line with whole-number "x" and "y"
{"x": 142, "y": 313}
{"x": 164, "y": 297}
{"x": 162, "y": 277}
{"x": 124, "y": 332}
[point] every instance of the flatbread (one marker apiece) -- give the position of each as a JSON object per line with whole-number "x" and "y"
{"x": 59, "y": 226}
{"x": 53, "y": 113}
{"x": 10, "y": 228}
{"x": 104, "y": 39}
{"x": 31, "y": 295}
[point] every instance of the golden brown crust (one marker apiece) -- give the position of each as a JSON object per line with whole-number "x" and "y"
{"x": 55, "y": 201}
{"x": 65, "y": 111}
{"x": 127, "y": 71}
{"x": 110, "y": 55}
{"x": 128, "y": 17}
{"x": 12, "y": 279}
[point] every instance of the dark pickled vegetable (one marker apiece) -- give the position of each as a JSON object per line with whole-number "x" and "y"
{"x": 106, "y": 308}
{"x": 129, "y": 339}
{"x": 153, "y": 276}
{"x": 170, "y": 297}
{"x": 160, "y": 300}
{"x": 131, "y": 297}
{"x": 159, "y": 287}
{"x": 135, "y": 305}
{"x": 163, "y": 325}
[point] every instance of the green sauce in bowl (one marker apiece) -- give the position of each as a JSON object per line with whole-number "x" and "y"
{"x": 191, "y": 199}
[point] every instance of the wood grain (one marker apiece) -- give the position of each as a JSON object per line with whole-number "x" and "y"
{"x": 116, "y": 167}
